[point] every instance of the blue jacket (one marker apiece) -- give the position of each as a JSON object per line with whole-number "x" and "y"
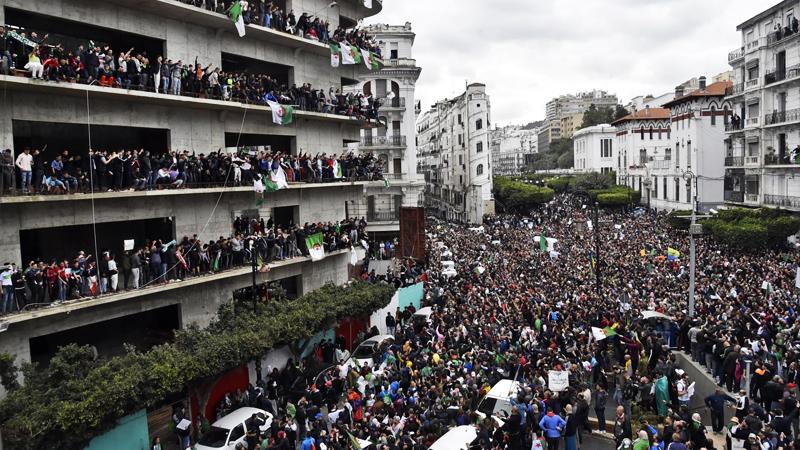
{"x": 551, "y": 424}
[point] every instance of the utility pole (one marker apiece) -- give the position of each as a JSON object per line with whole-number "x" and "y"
{"x": 694, "y": 228}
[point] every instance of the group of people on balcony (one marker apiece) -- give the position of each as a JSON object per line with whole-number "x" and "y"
{"x": 272, "y": 15}
{"x": 158, "y": 262}
{"x": 792, "y": 27}
{"x": 137, "y": 70}
{"x": 139, "y": 169}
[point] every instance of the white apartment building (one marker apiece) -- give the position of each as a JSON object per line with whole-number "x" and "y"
{"x": 761, "y": 166}
{"x": 454, "y": 156}
{"x": 594, "y": 149}
{"x": 511, "y": 147}
{"x": 642, "y": 137}
{"x": 569, "y": 104}
{"x": 394, "y": 144}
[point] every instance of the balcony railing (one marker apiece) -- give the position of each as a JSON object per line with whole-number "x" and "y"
{"x": 780, "y": 35}
{"x": 749, "y": 84}
{"x": 735, "y": 89}
{"x": 400, "y": 62}
{"x": 751, "y": 198}
{"x": 755, "y": 44}
{"x": 780, "y": 159}
{"x": 734, "y": 161}
{"x": 751, "y": 122}
{"x": 736, "y": 55}
{"x": 730, "y": 127}
{"x": 788, "y": 73}
{"x": 777, "y": 117}
{"x": 784, "y": 201}
{"x": 383, "y": 141}
{"x": 397, "y": 102}
{"x": 661, "y": 164}
{"x": 751, "y": 160}
{"x": 382, "y": 216}
{"x": 734, "y": 196}
{"x": 394, "y": 176}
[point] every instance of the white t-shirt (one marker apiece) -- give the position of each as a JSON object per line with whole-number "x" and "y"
{"x": 680, "y": 387}
{"x": 24, "y": 161}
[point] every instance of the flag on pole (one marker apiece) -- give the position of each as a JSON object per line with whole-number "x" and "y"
{"x": 602, "y": 333}
{"x": 281, "y": 114}
{"x": 543, "y": 241}
{"x": 374, "y": 61}
{"x": 235, "y": 13}
{"x": 673, "y": 253}
{"x": 335, "y": 54}
{"x": 315, "y": 247}
{"x": 356, "y": 54}
{"x": 348, "y": 55}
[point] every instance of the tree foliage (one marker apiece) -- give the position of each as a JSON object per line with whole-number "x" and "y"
{"x": 78, "y": 396}
{"x": 518, "y": 196}
{"x": 602, "y": 115}
{"x": 752, "y": 229}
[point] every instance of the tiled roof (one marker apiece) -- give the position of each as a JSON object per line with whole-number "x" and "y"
{"x": 645, "y": 114}
{"x": 712, "y": 90}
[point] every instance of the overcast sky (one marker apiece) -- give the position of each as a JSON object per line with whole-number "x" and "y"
{"x": 529, "y": 51}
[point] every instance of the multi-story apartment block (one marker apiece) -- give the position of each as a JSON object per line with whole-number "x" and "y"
{"x": 394, "y": 144}
{"x": 570, "y": 124}
{"x": 57, "y": 117}
{"x": 454, "y": 156}
{"x": 594, "y": 149}
{"x": 566, "y": 105}
{"x": 763, "y": 142}
{"x": 511, "y": 147}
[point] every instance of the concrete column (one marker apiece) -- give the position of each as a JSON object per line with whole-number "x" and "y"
{"x": 6, "y": 112}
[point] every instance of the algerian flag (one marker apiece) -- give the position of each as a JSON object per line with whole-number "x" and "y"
{"x": 235, "y": 13}
{"x": 543, "y": 241}
{"x": 602, "y": 333}
{"x": 348, "y": 57}
{"x": 353, "y": 440}
{"x": 315, "y": 247}
{"x": 281, "y": 114}
{"x": 335, "y": 55}
{"x": 356, "y": 54}
{"x": 258, "y": 186}
{"x": 365, "y": 55}
{"x": 373, "y": 61}
{"x": 337, "y": 169}
{"x": 367, "y": 3}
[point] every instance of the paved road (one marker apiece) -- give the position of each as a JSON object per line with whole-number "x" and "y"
{"x": 596, "y": 443}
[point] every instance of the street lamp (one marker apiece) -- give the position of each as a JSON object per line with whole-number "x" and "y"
{"x": 694, "y": 228}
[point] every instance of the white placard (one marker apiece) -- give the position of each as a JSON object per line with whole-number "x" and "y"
{"x": 558, "y": 380}
{"x": 128, "y": 244}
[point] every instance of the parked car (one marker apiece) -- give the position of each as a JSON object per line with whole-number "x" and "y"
{"x": 369, "y": 352}
{"x": 230, "y": 430}
{"x": 497, "y": 402}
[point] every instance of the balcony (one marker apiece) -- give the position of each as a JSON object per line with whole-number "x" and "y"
{"x": 400, "y": 62}
{"x": 780, "y": 159}
{"x": 781, "y": 35}
{"x": 734, "y": 161}
{"x": 395, "y": 176}
{"x": 751, "y": 122}
{"x": 783, "y": 201}
{"x": 792, "y": 115}
{"x": 660, "y": 164}
{"x": 736, "y": 55}
{"x": 731, "y": 128}
{"x": 734, "y": 90}
{"x": 755, "y": 45}
{"x": 383, "y": 216}
{"x": 786, "y": 74}
{"x": 751, "y": 198}
{"x": 397, "y": 102}
{"x": 383, "y": 141}
{"x": 752, "y": 83}
{"x": 751, "y": 160}
{"x": 734, "y": 196}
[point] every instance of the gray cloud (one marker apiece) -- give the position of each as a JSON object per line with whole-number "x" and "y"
{"x": 529, "y": 51}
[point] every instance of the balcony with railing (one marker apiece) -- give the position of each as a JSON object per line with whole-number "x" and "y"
{"x": 394, "y": 176}
{"x": 781, "y": 158}
{"x": 783, "y": 201}
{"x": 783, "y": 74}
{"x": 734, "y": 161}
{"x": 751, "y": 198}
{"x": 778, "y": 117}
{"x": 400, "y": 62}
{"x": 751, "y": 160}
{"x": 751, "y": 83}
{"x": 755, "y": 44}
{"x": 781, "y": 35}
{"x": 736, "y": 55}
{"x": 751, "y": 122}
{"x": 383, "y": 141}
{"x": 660, "y": 164}
{"x": 731, "y": 127}
{"x": 734, "y": 196}
{"x": 383, "y": 216}
{"x": 734, "y": 90}
{"x": 396, "y": 102}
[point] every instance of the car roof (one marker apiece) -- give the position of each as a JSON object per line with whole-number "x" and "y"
{"x": 236, "y": 417}
{"x": 503, "y": 388}
{"x": 456, "y": 438}
{"x": 378, "y": 339}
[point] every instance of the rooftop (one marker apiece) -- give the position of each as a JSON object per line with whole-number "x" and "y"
{"x": 645, "y": 114}
{"x": 712, "y": 90}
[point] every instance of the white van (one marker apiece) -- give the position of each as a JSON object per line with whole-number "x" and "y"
{"x": 458, "y": 438}
{"x": 497, "y": 402}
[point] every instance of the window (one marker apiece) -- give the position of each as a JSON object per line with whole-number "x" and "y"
{"x": 479, "y": 124}
{"x": 667, "y": 154}
{"x": 651, "y": 133}
{"x": 461, "y": 159}
{"x": 677, "y": 189}
{"x": 479, "y": 170}
{"x": 689, "y": 154}
{"x": 725, "y": 116}
{"x": 479, "y": 147}
{"x": 713, "y": 116}
{"x": 665, "y": 187}
{"x": 659, "y": 134}
{"x": 393, "y": 54}
{"x": 641, "y": 133}
{"x": 605, "y": 148}
{"x": 237, "y": 433}
{"x": 677, "y": 154}
{"x": 655, "y": 187}
{"x": 459, "y": 119}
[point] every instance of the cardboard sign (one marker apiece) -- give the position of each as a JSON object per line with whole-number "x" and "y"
{"x": 558, "y": 380}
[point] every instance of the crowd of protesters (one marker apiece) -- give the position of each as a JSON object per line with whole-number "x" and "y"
{"x": 138, "y": 170}
{"x": 46, "y": 281}
{"x": 272, "y": 15}
{"x": 509, "y": 310}
{"x": 99, "y": 64}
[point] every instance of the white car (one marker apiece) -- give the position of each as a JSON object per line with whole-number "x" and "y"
{"x": 230, "y": 430}
{"x": 370, "y": 350}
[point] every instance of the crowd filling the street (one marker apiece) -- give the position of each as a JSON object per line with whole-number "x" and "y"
{"x": 517, "y": 300}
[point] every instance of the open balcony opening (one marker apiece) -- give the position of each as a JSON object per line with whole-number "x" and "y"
{"x": 52, "y": 138}
{"x": 282, "y": 76}
{"x": 143, "y": 330}
{"x": 72, "y": 34}
{"x": 64, "y": 243}
{"x": 257, "y": 142}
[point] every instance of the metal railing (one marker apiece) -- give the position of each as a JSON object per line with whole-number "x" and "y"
{"x": 785, "y": 201}
{"x": 661, "y": 164}
{"x": 751, "y": 198}
{"x": 394, "y": 176}
{"x": 786, "y": 73}
{"x": 780, "y": 35}
{"x": 733, "y": 161}
{"x": 780, "y": 159}
{"x": 730, "y": 126}
{"x": 736, "y": 55}
{"x": 751, "y": 122}
{"x": 397, "y": 102}
{"x": 383, "y": 141}
{"x": 777, "y": 117}
{"x": 383, "y": 216}
{"x": 734, "y": 196}
{"x": 735, "y": 89}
